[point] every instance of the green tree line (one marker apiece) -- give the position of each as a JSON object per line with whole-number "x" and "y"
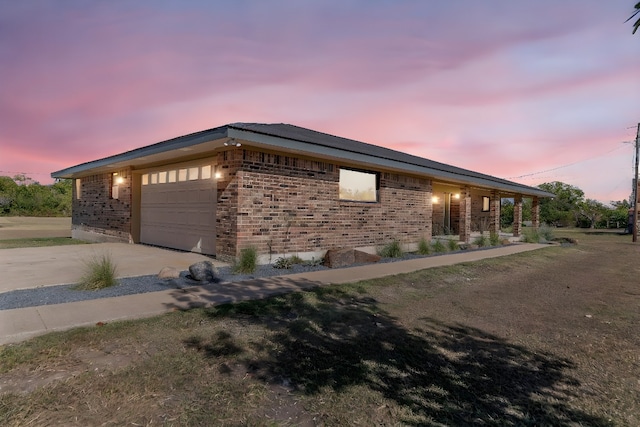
{"x": 569, "y": 207}
{"x": 22, "y": 196}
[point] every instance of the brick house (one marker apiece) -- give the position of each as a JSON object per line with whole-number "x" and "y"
{"x": 283, "y": 190}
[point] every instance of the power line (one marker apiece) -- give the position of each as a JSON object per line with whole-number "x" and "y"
{"x": 568, "y": 164}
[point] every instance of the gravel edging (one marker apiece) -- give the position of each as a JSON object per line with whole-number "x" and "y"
{"x": 47, "y": 295}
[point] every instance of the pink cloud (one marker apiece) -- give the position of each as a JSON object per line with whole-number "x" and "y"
{"x": 456, "y": 83}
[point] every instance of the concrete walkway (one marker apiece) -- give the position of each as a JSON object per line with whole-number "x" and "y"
{"x": 20, "y": 324}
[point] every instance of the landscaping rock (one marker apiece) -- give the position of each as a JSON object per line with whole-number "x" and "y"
{"x": 203, "y": 271}
{"x": 169, "y": 273}
{"x": 344, "y": 257}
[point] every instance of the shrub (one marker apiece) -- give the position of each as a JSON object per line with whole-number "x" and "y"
{"x": 313, "y": 262}
{"x": 283, "y": 263}
{"x": 247, "y": 262}
{"x": 295, "y": 259}
{"x": 100, "y": 273}
{"x": 391, "y": 250}
{"x": 530, "y": 235}
{"x": 439, "y": 247}
{"x": 545, "y": 232}
{"x": 453, "y": 245}
{"x": 423, "y": 247}
{"x": 494, "y": 239}
{"x": 481, "y": 241}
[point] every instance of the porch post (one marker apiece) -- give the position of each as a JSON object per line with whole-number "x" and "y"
{"x": 494, "y": 217}
{"x": 465, "y": 215}
{"x": 535, "y": 213}
{"x": 517, "y": 215}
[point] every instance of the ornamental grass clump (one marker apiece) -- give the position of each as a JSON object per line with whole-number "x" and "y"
{"x": 494, "y": 239}
{"x": 100, "y": 273}
{"x": 423, "y": 247}
{"x": 481, "y": 241}
{"x": 438, "y": 247}
{"x": 530, "y": 235}
{"x": 392, "y": 250}
{"x": 453, "y": 245}
{"x": 247, "y": 261}
{"x": 546, "y": 233}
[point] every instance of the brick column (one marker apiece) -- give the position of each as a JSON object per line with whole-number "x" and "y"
{"x": 535, "y": 213}
{"x": 517, "y": 215}
{"x": 494, "y": 216}
{"x": 465, "y": 215}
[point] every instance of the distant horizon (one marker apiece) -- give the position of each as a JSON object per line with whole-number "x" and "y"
{"x": 537, "y": 93}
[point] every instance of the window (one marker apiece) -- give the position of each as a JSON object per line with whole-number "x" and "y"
{"x": 485, "y": 204}
{"x": 206, "y": 172}
{"x": 193, "y": 173}
{"x": 182, "y": 175}
{"x": 359, "y": 186}
{"x": 145, "y": 179}
{"x": 172, "y": 176}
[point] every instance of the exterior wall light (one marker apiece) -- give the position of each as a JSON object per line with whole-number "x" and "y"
{"x": 232, "y": 143}
{"x": 435, "y": 199}
{"x": 217, "y": 175}
{"x": 456, "y": 196}
{"x": 119, "y": 180}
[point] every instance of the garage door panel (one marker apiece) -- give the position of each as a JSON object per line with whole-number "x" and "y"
{"x": 179, "y": 215}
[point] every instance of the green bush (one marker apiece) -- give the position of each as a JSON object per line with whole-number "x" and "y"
{"x": 494, "y": 239}
{"x": 391, "y": 250}
{"x": 283, "y": 263}
{"x": 295, "y": 259}
{"x": 453, "y": 245}
{"x": 438, "y": 247}
{"x": 423, "y": 247}
{"x": 546, "y": 232}
{"x": 530, "y": 235}
{"x": 481, "y": 241}
{"x": 247, "y": 262}
{"x": 100, "y": 273}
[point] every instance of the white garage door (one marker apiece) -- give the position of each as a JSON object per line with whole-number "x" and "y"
{"x": 178, "y": 208}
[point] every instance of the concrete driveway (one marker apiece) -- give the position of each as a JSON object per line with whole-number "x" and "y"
{"x": 24, "y": 268}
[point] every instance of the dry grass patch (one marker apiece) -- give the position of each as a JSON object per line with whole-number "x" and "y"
{"x": 499, "y": 342}
{"x": 39, "y": 242}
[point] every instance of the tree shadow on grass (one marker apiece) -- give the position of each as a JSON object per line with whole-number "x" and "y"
{"x": 442, "y": 373}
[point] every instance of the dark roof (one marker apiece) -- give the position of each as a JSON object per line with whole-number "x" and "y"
{"x": 282, "y": 130}
{"x": 282, "y": 133}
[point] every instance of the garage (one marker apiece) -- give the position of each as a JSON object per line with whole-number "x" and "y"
{"x": 177, "y": 208}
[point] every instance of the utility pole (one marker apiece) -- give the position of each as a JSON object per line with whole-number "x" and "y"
{"x": 635, "y": 189}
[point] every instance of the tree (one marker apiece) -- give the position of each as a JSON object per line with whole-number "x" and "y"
{"x": 564, "y": 208}
{"x": 633, "y": 15}
{"x": 22, "y": 195}
{"x": 592, "y": 211}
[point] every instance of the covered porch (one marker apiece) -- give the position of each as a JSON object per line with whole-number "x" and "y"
{"x": 466, "y": 212}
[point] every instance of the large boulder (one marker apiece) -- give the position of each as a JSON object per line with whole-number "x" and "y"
{"x": 203, "y": 271}
{"x": 345, "y": 257}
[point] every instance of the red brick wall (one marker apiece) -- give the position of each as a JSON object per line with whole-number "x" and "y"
{"x": 290, "y": 205}
{"x": 480, "y": 221}
{"x": 94, "y": 210}
{"x": 228, "y": 164}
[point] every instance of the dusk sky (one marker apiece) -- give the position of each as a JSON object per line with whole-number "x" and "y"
{"x": 529, "y": 91}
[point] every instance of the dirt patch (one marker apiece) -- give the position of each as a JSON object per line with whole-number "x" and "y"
{"x": 26, "y": 380}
